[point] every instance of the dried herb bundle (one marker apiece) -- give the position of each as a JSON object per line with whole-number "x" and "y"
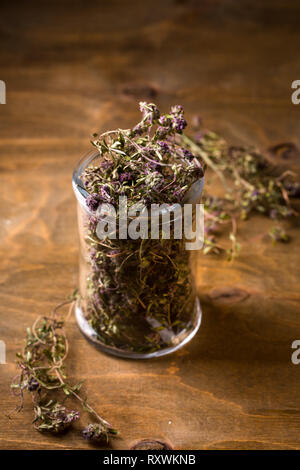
{"x": 43, "y": 375}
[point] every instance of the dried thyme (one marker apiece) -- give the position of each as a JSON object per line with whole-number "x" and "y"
{"x": 139, "y": 296}
{"x": 42, "y": 373}
{"x": 250, "y": 186}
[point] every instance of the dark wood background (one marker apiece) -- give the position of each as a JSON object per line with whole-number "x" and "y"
{"x": 74, "y": 67}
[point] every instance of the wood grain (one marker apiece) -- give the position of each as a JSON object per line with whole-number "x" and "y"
{"x": 72, "y": 68}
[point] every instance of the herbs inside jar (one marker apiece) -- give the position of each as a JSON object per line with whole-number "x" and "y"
{"x": 137, "y": 295}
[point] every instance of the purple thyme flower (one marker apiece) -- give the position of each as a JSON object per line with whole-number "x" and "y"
{"x": 106, "y": 164}
{"x": 187, "y": 154}
{"x": 150, "y": 111}
{"x": 93, "y": 201}
{"x": 164, "y": 148}
{"x": 143, "y": 107}
{"x": 94, "y": 432}
{"x": 177, "y": 109}
{"x": 161, "y": 132}
{"x": 105, "y": 193}
{"x": 125, "y": 177}
{"x": 71, "y": 416}
{"x": 93, "y": 221}
{"x": 179, "y": 123}
{"x": 150, "y": 166}
{"x": 154, "y": 165}
{"x": 61, "y": 418}
{"x": 164, "y": 121}
{"x": 33, "y": 384}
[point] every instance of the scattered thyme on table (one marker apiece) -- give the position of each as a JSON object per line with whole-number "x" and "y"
{"x": 42, "y": 373}
{"x": 250, "y": 186}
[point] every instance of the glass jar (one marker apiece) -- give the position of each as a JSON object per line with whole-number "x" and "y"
{"x": 137, "y": 296}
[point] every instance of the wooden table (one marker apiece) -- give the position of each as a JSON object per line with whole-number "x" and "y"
{"x": 72, "y": 70}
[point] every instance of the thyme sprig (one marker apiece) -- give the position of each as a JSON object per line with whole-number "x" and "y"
{"x": 42, "y": 373}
